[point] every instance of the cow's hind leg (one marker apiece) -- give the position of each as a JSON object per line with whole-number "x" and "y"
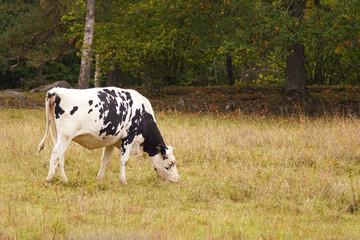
{"x": 57, "y": 159}
{"x": 105, "y": 159}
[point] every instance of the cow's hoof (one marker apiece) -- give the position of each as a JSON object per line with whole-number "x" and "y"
{"x": 123, "y": 182}
{"x": 49, "y": 179}
{"x": 65, "y": 180}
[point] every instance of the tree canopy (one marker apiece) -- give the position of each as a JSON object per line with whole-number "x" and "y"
{"x": 173, "y": 42}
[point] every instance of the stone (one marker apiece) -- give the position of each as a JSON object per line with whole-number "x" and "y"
{"x": 231, "y": 106}
{"x": 14, "y": 94}
{"x": 181, "y": 102}
{"x": 47, "y": 87}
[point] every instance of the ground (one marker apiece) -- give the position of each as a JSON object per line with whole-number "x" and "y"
{"x": 241, "y": 178}
{"x": 274, "y": 174}
{"x": 254, "y": 100}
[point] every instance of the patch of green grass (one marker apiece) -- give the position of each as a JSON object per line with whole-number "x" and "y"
{"x": 240, "y": 179}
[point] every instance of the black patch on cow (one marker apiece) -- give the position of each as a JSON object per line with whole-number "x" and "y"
{"x": 151, "y": 135}
{"x": 96, "y": 105}
{"x": 112, "y": 111}
{"x": 121, "y": 96}
{"x": 161, "y": 149}
{"x": 142, "y": 123}
{"x": 90, "y": 102}
{"x": 49, "y": 95}
{"x": 75, "y": 108}
{"x": 128, "y": 97}
{"x": 134, "y": 130}
{"x": 58, "y": 110}
{"x": 90, "y": 110}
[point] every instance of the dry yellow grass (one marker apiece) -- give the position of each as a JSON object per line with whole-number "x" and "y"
{"x": 241, "y": 179}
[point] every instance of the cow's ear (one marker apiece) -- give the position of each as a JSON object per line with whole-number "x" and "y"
{"x": 161, "y": 149}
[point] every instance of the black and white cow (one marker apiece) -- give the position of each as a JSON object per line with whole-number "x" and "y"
{"x": 105, "y": 118}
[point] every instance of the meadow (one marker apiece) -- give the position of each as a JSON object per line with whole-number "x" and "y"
{"x": 241, "y": 178}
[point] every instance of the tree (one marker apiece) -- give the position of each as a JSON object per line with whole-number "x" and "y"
{"x": 229, "y": 67}
{"x": 332, "y": 43}
{"x": 97, "y": 71}
{"x": 194, "y": 42}
{"x": 86, "y": 54}
{"x": 32, "y": 35}
{"x": 281, "y": 27}
{"x": 295, "y": 81}
{"x": 114, "y": 77}
{"x": 157, "y": 41}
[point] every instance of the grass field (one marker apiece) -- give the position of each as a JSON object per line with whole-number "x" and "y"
{"x": 241, "y": 178}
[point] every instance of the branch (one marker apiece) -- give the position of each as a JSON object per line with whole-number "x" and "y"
{"x": 63, "y": 50}
{"x": 54, "y": 5}
{"x": 15, "y": 65}
{"x": 276, "y": 62}
{"x": 290, "y": 5}
{"x": 21, "y": 54}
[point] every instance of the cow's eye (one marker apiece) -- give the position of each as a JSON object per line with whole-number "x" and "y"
{"x": 171, "y": 165}
{"x": 164, "y": 158}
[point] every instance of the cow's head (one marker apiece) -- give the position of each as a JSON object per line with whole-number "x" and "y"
{"x": 164, "y": 163}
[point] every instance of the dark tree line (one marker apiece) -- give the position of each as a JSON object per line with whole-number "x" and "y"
{"x": 174, "y": 42}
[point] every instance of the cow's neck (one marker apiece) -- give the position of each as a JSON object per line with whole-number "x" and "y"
{"x": 152, "y": 136}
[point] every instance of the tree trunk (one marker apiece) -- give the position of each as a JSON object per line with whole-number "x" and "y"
{"x": 295, "y": 81}
{"x": 97, "y": 72}
{"x": 229, "y": 67}
{"x": 38, "y": 74}
{"x": 85, "y": 67}
{"x": 295, "y": 84}
{"x": 114, "y": 77}
{"x": 318, "y": 73}
{"x": 319, "y": 50}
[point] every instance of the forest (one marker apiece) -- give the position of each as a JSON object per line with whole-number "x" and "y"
{"x": 158, "y": 43}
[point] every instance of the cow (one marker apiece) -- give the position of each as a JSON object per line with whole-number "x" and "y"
{"x": 105, "y": 118}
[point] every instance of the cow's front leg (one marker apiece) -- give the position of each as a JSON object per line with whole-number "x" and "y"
{"x": 124, "y": 157}
{"x": 105, "y": 159}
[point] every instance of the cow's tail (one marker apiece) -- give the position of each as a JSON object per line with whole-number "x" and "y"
{"x": 49, "y": 101}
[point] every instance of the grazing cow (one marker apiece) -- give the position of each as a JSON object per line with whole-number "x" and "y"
{"x": 105, "y": 118}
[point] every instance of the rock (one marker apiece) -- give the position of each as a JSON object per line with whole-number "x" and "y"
{"x": 231, "y": 106}
{"x": 181, "y": 102}
{"x": 46, "y": 88}
{"x": 14, "y": 94}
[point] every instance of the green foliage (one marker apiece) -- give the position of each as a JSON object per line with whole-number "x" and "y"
{"x": 67, "y": 69}
{"x": 156, "y": 41}
{"x": 329, "y": 30}
{"x": 175, "y": 42}
{"x": 31, "y": 36}
{"x": 333, "y": 54}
